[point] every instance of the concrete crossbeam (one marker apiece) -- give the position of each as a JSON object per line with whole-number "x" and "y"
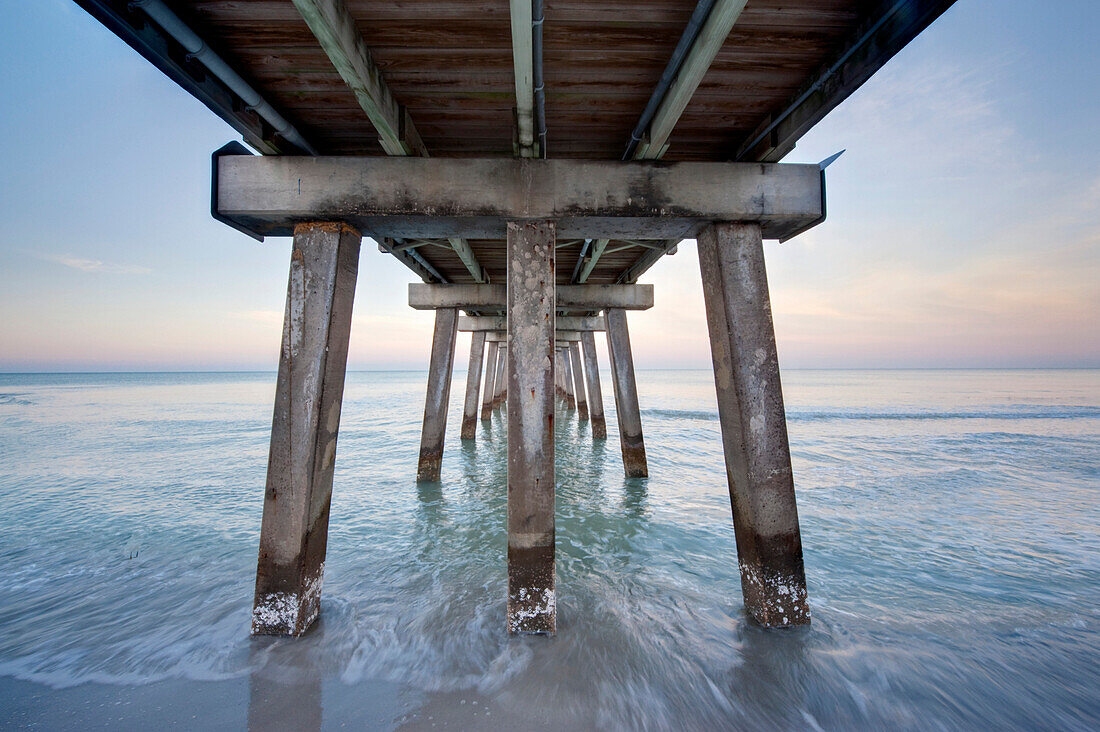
{"x": 412, "y": 198}
{"x": 492, "y": 297}
{"x": 499, "y": 323}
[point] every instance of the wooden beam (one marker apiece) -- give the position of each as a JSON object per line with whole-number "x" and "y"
{"x": 523, "y": 63}
{"x": 598, "y": 248}
{"x": 642, "y": 264}
{"x": 719, "y": 23}
{"x": 334, "y": 27}
{"x": 466, "y": 254}
{"x": 713, "y": 35}
{"x": 412, "y": 198}
{"x": 865, "y": 52}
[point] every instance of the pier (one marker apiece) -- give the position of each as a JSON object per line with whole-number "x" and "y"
{"x": 528, "y": 163}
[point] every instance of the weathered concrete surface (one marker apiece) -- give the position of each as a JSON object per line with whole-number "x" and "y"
{"x": 417, "y": 197}
{"x": 502, "y": 375}
{"x": 578, "y": 381}
{"x": 592, "y": 380}
{"x": 492, "y": 297}
{"x": 488, "y": 323}
{"x": 754, "y": 425}
{"x": 324, "y": 263}
{"x": 439, "y": 394}
{"x": 567, "y": 379}
{"x": 580, "y": 323}
{"x": 490, "y": 382}
{"x": 473, "y": 385}
{"x": 626, "y": 395}
{"x": 531, "y": 598}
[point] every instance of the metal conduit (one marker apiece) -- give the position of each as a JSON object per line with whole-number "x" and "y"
{"x": 197, "y": 48}
{"x": 540, "y": 87}
{"x": 687, "y": 40}
{"x": 580, "y": 260}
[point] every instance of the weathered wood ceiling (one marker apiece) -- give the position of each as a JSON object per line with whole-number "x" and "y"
{"x": 450, "y": 64}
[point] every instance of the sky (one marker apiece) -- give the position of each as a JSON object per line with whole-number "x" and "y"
{"x": 963, "y": 227}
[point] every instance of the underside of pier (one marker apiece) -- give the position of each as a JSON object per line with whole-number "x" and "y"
{"x": 528, "y": 162}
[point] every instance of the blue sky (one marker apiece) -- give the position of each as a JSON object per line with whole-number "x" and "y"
{"x": 963, "y": 230}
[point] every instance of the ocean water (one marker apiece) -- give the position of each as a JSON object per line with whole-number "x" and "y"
{"x": 951, "y": 524}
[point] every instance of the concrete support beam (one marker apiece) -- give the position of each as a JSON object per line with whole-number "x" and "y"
{"x": 578, "y": 380}
{"x": 580, "y": 323}
{"x": 473, "y": 385}
{"x": 567, "y": 378}
{"x": 492, "y": 297}
{"x": 499, "y": 324}
{"x": 531, "y": 310}
{"x": 439, "y": 394}
{"x": 592, "y": 380}
{"x": 626, "y": 395}
{"x": 487, "y": 323}
{"x": 490, "y": 382}
{"x": 754, "y": 425}
{"x": 415, "y": 198}
{"x": 294, "y": 533}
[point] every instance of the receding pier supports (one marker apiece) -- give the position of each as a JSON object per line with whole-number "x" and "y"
{"x": 531, "y": 312}
{"x": 439, "y": 393}
{"x": 293, "y": 536}
{"x": 592, "y": 378}
{"x": 473, "y": 385}
{"x": 626, "y": 395}
{"x": 578, "y": 381}
{"x": 754, "y": 425}
{"x": 490, "y": 381}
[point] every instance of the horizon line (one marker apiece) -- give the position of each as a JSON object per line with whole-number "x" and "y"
{"x": 462, "y": 371}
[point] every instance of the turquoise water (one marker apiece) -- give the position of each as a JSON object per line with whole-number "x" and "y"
{"x": 951, "y": 522}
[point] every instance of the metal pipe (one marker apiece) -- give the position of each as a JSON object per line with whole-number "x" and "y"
{"x": 540, "y": 86}
{"x": 580, "y": 260}
{"x": 197, "y": 49}
{"x": 415, "y": 256}
{"x": 687, "y": 39}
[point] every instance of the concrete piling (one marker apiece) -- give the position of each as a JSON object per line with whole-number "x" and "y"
{"x": 567, "y": 379}
{"x": 490, "y": 381}
{"x": 754, "y": 425}
{"x": 439, "y": 393}
{"x": 498, "y": 387}
{"x": 592, "y": 381}
{"x": 473, "y": 385}
{"x": 574, "y": 353}
{"x": 531, "y": 311}
{"x": 312, "y": 363}
{"x": 626, "y": 395}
